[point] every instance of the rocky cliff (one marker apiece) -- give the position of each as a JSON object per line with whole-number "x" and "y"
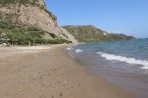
{"x": 32, "y": 14}
{"x": 89, "y": 33}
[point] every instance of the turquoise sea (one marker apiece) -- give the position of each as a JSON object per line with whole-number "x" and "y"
{"x": 122, "y": 62}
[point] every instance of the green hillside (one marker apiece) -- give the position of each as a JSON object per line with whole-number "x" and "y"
{"x": 90, "y": 33}
{"x": 18, "y": 35}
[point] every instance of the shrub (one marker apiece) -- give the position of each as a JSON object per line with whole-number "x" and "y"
{"x": 32, "y": 29}
{"x": 52, "y": 35}
{"x": 36, "y": 34}
{"x": 6, "y": 25}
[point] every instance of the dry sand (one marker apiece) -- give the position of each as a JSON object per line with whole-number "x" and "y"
{"x": 49, "y": 72}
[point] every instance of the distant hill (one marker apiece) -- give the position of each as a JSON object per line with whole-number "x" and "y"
{"x": 89, "y": 33}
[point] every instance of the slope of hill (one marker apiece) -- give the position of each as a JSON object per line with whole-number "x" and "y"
{"x": 28, "y": 17}
{"x": 88, "y": 33}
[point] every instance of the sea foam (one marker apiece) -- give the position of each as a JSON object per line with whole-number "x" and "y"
{"x": 69, "y": 48}
{"x": 144, "y": 63}
{"x": 79, "y": 50}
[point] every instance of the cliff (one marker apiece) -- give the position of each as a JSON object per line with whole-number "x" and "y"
{"x": 24, "y": 14}
{"x": 88, "y": 33}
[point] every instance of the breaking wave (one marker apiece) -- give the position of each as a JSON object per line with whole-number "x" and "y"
{"x": 79, "y": 50}
{"x": 144, "y": 63}
{"x": 69, "y": 48}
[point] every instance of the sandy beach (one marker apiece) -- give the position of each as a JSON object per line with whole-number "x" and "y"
{"x": 49, "y": 72}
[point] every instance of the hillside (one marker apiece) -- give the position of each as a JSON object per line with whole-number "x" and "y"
{"x": 88, "y": 33}
{"x": 29, "y": 21}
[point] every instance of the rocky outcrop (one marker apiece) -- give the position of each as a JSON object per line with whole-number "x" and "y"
{"x": 33, "y": 13}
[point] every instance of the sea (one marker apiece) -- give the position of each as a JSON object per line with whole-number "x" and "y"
{"x": 124, "y": 63}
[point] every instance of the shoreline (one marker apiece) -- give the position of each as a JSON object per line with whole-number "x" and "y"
{"x": 51, "y": 73}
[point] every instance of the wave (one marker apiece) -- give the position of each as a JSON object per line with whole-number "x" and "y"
{"x": 69, "y": 48}
{"x": 144, "y": 63}
{"x": 79, "y": 50}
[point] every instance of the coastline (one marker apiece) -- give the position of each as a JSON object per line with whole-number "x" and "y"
{"x": 51, "y": 73}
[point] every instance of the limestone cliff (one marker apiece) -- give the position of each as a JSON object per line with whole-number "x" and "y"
{"x": 34, "y": 14}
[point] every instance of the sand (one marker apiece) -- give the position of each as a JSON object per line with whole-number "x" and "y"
{"x": 49, "y": 72}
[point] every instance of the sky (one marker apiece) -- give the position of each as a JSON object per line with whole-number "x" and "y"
{"x": 129, "y": 17}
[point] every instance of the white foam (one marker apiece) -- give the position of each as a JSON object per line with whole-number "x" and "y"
{"x": 69, "y": 48}
{"x": 144, "y": 63}
{"x": 145, "y": 67}
{"x": 79, "y": 50}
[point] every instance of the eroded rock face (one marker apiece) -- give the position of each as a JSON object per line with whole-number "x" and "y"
{"x": 41, "y": 2}
{"x": 34, "y": 15}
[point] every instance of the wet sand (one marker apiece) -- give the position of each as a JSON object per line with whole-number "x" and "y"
{"x": 49, "y": 72}
{"x": 125, "y": 75}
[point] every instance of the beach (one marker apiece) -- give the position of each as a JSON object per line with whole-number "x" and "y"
{"x": 50, "y": 72}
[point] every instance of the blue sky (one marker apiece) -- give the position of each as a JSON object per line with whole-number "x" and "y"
{"x": 115, "y": 16}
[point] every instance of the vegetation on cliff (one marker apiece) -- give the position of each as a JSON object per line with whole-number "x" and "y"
{"x": 15, "y": 35}
{"x": 90, "y": 33}
{"x": 20, "y": 26}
